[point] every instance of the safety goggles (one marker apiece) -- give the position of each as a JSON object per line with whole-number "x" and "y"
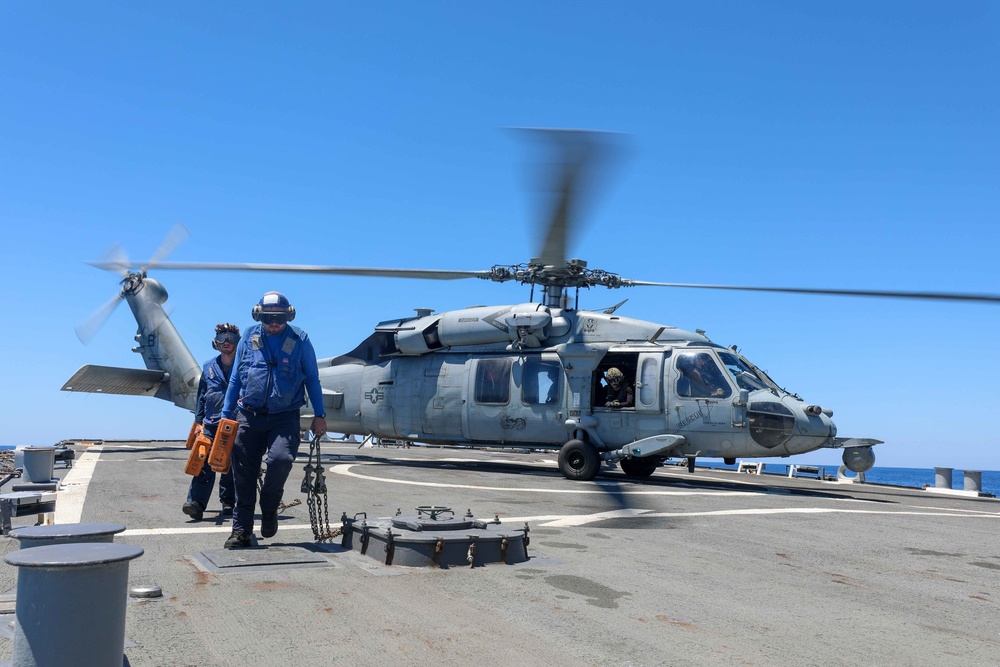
{"x": 227, "y": 337}
{"x": 273, "y": 318}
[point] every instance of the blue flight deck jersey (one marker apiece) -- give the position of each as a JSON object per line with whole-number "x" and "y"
{"x": 272, "y": 373}
{"x": 211, "y": 391}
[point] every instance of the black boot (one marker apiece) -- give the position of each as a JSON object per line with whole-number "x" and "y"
{"x": 268, "y": 524}
{"x": 193, "y": 509}
{"x": 237, "y": 539}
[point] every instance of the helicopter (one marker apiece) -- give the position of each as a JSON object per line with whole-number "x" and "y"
{"x": 535, "y": 374}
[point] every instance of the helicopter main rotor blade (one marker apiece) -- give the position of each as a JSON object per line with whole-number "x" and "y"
{"x": 422, "y": 274}
{"x": 937, "y": 296}
{"x": 579, "y": 153}
{"x": 174, "y": 238}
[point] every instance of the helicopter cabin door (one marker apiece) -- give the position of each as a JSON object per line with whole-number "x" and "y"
{"x": 489, "y": 411}
{"x": 702, "y": 402}
{"x": 539, "y": 391}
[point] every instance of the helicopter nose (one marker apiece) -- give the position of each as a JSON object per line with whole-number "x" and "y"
{"x": 814, "y": 422}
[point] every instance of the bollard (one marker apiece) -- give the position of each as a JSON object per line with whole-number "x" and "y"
{"x": 942, "y": 478}
{"x": 71, "y": 604}
{"x": 973, "y": 480}
{"x": 66, "y": 533}
{"x": 39, "y": 463}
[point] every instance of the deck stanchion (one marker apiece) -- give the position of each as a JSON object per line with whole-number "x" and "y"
{"x": 973, "y": 480}
{"x": 71, "y": 604}
{"x": 66, "y": 533}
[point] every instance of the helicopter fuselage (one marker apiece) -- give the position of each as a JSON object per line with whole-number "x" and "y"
{"x": 425, "y": 379}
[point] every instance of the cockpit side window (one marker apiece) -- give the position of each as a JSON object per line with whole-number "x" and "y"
{"x": 493, "y": 381}
{"x": 742, "y": 372}
{"x": 699, "y": 376}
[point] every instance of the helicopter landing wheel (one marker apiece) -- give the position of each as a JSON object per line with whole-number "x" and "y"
{"x": 638, "y": 467}
{"x": 579, "y": 460}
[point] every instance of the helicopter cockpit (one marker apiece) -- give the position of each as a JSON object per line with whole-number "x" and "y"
{"x": 746, "y": 375}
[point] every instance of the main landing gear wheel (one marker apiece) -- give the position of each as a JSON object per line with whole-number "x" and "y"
{"x": 639, "y": 468}
{"x": 579, "y": 460}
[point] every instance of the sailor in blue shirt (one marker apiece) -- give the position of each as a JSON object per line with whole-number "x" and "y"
{"x": 211, "y": 395}
{"x": 275, "y": 366}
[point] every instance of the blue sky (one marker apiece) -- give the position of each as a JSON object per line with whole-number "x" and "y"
{"x": 847, "y": 145}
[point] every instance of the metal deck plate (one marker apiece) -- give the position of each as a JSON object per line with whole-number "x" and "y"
{"x": 261, "y": 557}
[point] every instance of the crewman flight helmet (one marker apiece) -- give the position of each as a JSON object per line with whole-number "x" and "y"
{"x": 226, "y": 333}
{"x": 273, "y": 303}
{"x": 615, "y": 375}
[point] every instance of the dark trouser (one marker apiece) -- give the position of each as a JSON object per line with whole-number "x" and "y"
{"x": 201, "y": 485}
{"x": 276, "y": 435}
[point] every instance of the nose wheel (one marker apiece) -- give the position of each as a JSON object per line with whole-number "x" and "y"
{"x": 579, "y": 460}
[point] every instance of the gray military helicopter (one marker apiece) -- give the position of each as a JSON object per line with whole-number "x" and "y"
{"x": 534, "y": 374}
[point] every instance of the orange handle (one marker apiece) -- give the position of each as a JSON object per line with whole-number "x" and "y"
{"x": 222, "y": 447}
{"x": 191, "y": 435}
{"x": 196, "y": 459}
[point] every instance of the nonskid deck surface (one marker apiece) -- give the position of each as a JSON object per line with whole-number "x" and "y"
{"x": 703, "y": 568}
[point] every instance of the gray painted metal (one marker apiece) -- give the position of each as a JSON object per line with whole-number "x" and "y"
{"x": 77, "y": 590}
{"x": 253, "y": 557}
{"x": 39, "y": 463}
{"x": 943, "y": 478}
{"x": 66, "y": 533}
{"x": 419, "y": 541}
{"x": 973, "y": 480}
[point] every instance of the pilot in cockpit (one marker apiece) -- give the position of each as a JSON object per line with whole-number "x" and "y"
{"x": 698, "y": 376}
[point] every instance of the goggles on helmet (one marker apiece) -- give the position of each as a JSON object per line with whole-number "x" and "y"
{"x": 227, "y": 337}
{"x": 273, "y": 318}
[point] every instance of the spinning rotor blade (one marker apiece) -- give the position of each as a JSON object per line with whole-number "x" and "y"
{"x": 938, "y": 296}
{"x": 177, "y": 234}
{"x": 580, "y": 152}
{"x": 424, "y": 274}
{"x": 96, "y": 320}
{"x": 115, "y": 259}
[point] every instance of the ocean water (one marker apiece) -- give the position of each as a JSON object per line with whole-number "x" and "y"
{"x": 913, "y": 477}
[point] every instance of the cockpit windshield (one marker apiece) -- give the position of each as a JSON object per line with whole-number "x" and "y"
{"x": 746, "y": 375}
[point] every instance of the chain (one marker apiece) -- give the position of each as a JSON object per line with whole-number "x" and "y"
{"x": 314, "y": 486}
{"x": 282, "y": 506}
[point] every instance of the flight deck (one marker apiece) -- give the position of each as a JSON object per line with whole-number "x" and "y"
{"x": 686, "y": 568}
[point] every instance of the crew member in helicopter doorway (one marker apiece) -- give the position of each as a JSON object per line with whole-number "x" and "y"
{"x": 275, "y": 366}
{"x": 211, "y": 395}
{"x": 620, "y": 393}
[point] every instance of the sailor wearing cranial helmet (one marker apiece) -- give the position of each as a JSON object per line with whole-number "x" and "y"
{"x": 275, "y": 367}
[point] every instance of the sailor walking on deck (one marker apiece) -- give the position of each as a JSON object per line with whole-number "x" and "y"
{"x": 211, "y": 395}
{"x": 275, "y": 366}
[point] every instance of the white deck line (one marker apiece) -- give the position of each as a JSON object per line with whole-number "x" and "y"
{"x": 70, "y": 499}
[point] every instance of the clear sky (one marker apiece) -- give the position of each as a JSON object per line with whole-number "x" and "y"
{"x": 847, "y": 145}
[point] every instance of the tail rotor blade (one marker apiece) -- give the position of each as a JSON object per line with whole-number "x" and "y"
{"x": 91, "y": 325}
{"x": 114, "y": 259}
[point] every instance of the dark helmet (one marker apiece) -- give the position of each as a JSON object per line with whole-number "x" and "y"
{"x": 273, "y": 303}
{"x": 221, "y": 330}
{"x": 685, "y": 362}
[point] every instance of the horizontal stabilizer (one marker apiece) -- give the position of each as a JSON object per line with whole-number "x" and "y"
{"x": 838, "y": 443}
{"x": 111, "y": 380}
